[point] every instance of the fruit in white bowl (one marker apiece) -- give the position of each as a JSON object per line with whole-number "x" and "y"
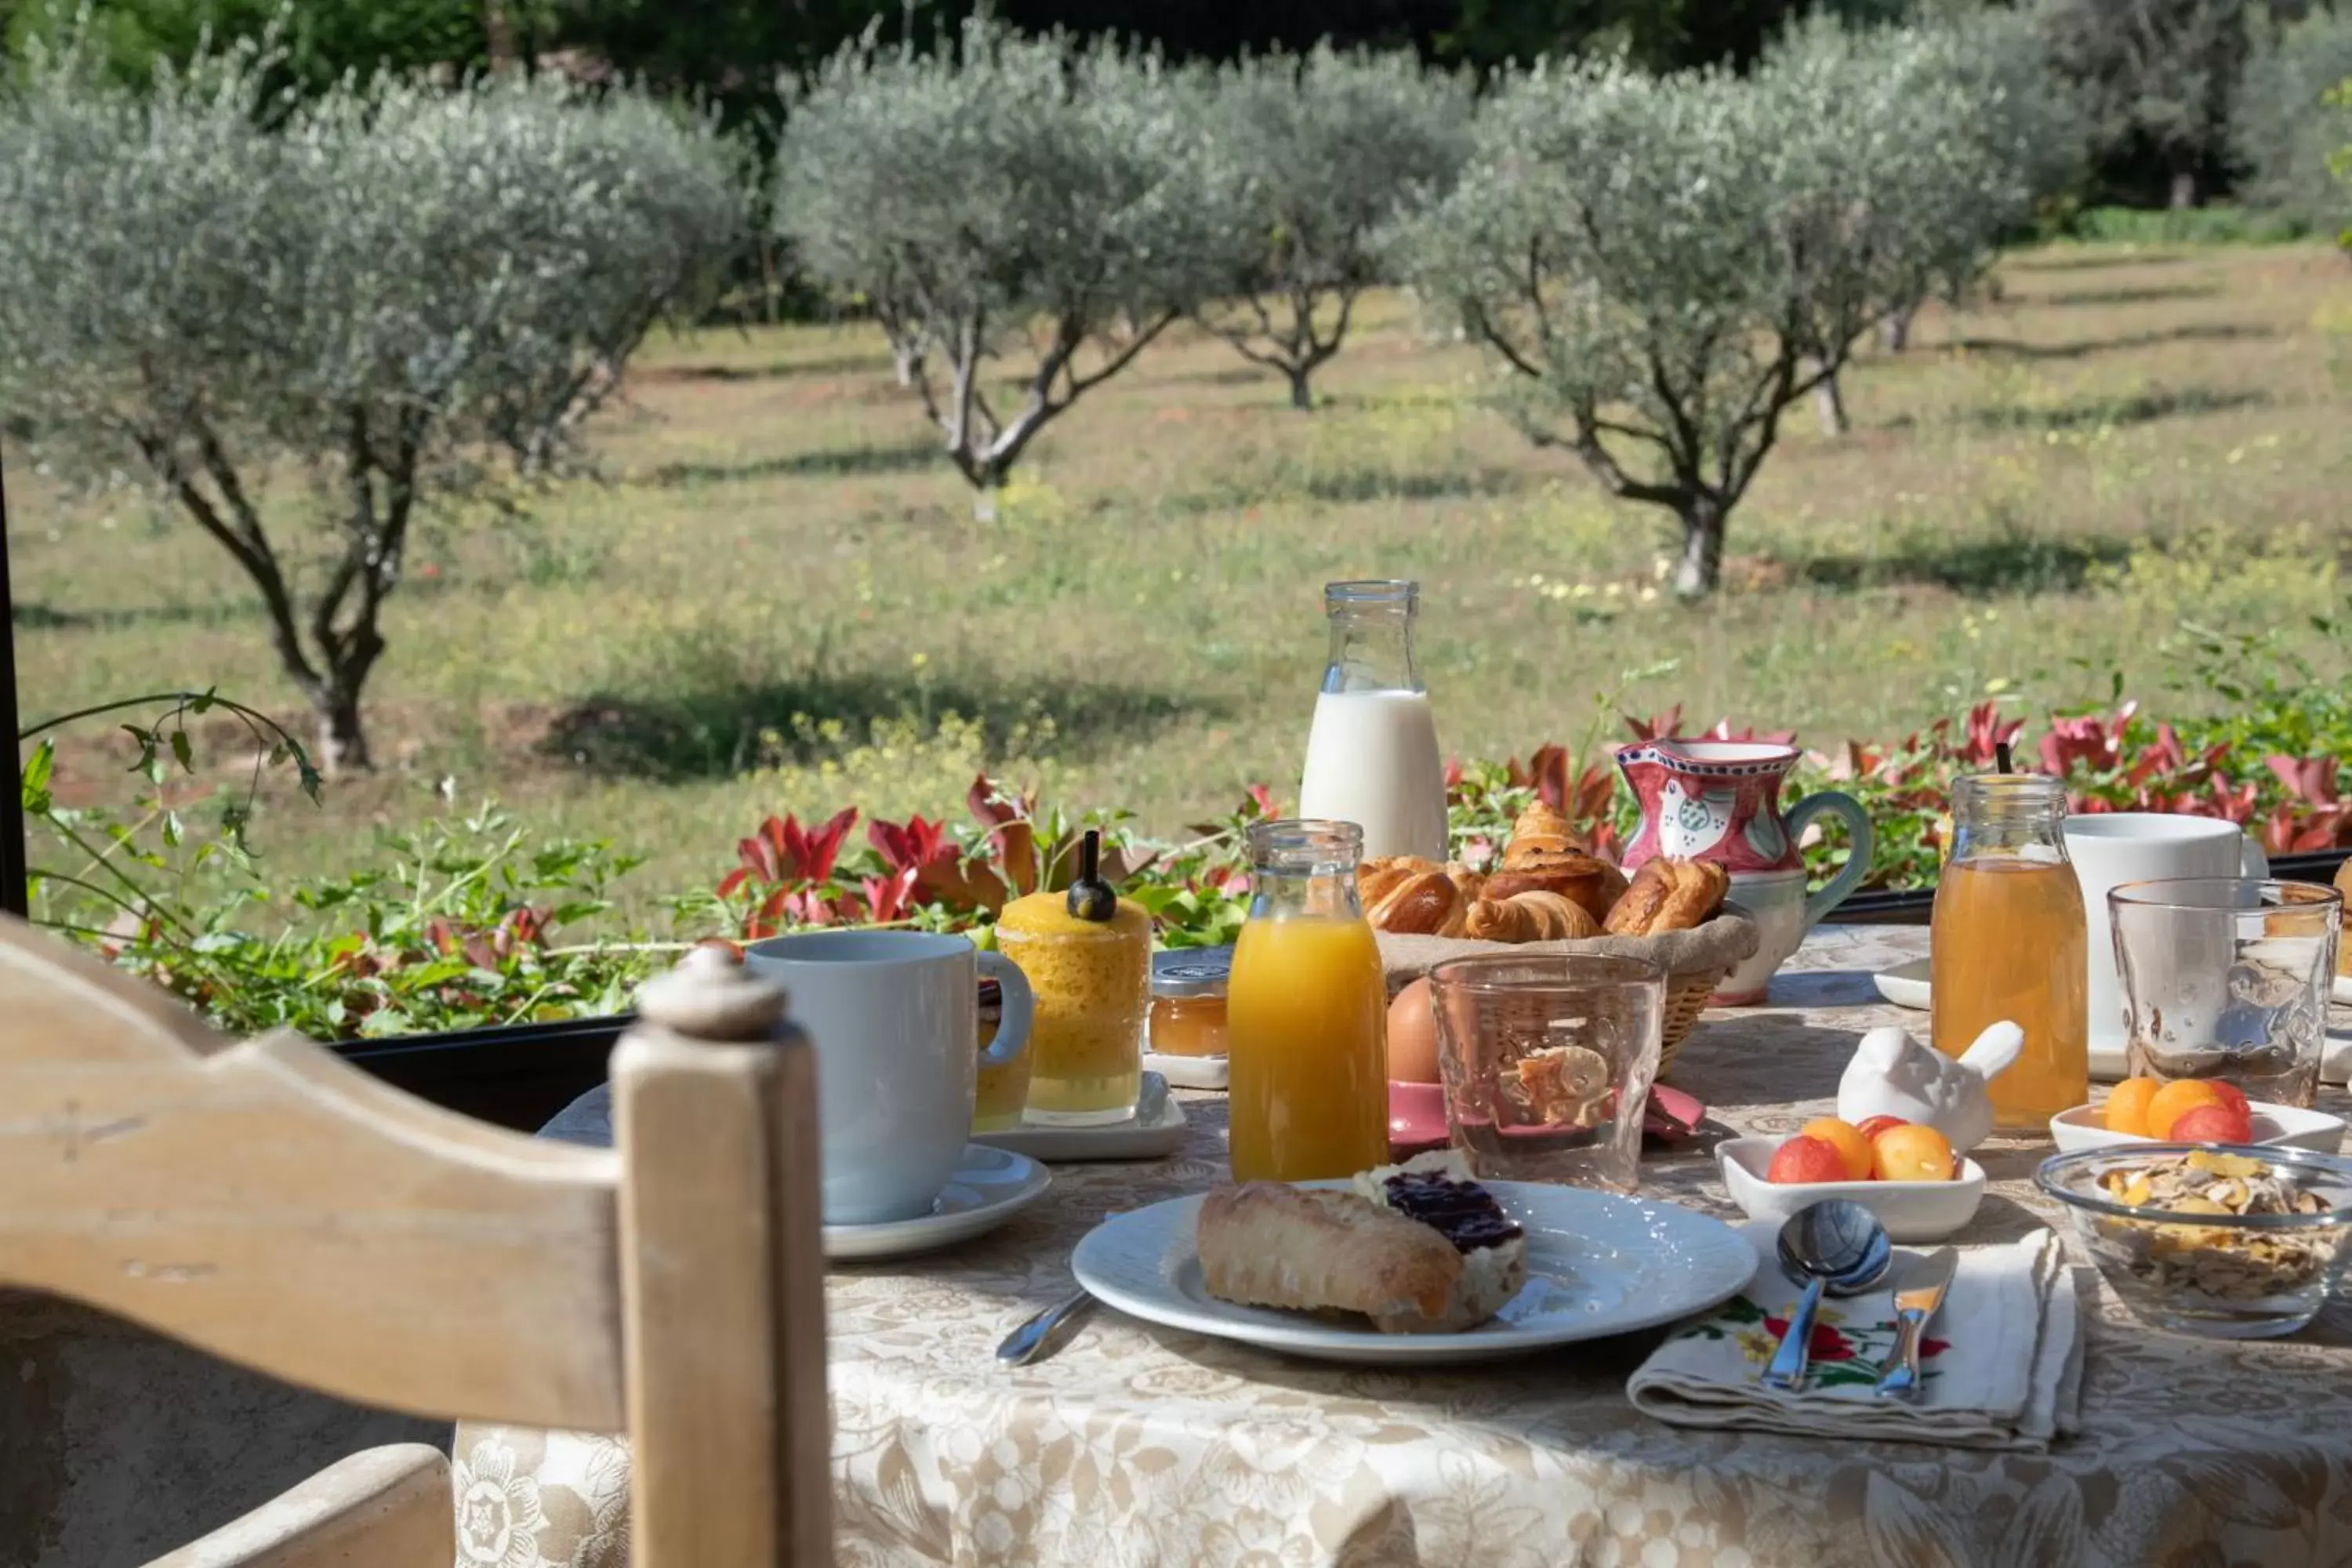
{"x": 2278, "y": 1126}
{"x": 1933, "y": 1194}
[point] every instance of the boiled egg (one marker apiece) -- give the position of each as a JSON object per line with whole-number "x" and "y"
{"x": 1412, "y": 1035}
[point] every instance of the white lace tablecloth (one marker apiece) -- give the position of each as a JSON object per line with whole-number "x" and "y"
{"x": 1140, "y": 1445}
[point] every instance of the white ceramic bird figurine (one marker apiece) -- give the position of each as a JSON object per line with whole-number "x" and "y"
{"x": 1894, "y": 1074}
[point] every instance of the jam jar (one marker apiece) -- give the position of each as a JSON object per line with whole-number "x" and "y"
{"x": 1188, "y": 1000}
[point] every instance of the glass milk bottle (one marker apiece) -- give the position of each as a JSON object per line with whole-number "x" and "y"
{"x": 2010, "y": 943}
{"x": 1306, "y": 1013}
{"x": 1371, "y": 756}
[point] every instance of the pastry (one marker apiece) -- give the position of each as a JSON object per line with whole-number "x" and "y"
{"x": 1418, "y": 1248}
{"x": 1529, "y": 917}
{"x": 1376, "y": 879}
{"x": 1539, "y": 830}
{"x": 1670, "y": 895}
{"x": 1426, "y": 903}
{"x": 1468, "y": 883}
{"x": 1268, "y": 1244}
{"x": 1581, "y": 878}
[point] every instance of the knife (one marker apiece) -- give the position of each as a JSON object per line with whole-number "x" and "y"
{"x": 1915, "y": 1304}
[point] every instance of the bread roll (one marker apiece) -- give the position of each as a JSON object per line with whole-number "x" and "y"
{"x": 1670, "y": 895}
{"x": 1268, "y": 1244}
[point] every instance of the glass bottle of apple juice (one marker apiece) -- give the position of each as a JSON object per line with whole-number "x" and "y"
{"x": 2008, "y": 942}
{"x": 1307, "y": 1013}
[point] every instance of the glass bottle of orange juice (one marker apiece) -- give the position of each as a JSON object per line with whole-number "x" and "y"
{"x": 1307, "y": 1013}
{"x": 2008, "y": 942}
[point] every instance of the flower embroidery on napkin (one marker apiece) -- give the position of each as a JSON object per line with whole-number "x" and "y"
{"x": 1837, "y": 1345}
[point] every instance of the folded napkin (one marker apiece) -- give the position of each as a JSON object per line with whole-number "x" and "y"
{"x": 2002, "y": 1358}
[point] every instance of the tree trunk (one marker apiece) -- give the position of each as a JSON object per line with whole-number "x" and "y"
{"x": 1700, "y": 568}
{"x": 1831, "y": 405}
{"x": 984, "y": 497}
{"x": 2184, "y": 189}
{"x": 1895, "y": 332}
{"x": 1302, "y": 396}
{"x": 342, "y": 741}
{"x": 905, "y": 363}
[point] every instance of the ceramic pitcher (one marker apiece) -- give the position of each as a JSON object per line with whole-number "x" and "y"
{"x": 1721, "y": 800}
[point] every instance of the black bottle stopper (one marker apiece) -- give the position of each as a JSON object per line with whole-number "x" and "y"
{"x": 1090, "y": 898}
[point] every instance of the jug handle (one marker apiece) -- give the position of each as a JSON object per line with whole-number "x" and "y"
{"x": 1848, "y": 810}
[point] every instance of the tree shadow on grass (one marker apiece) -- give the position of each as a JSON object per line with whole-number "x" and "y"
{"x": 1349, "y": 486}
{"x": 2117, "y": 411}
{"x": 720, "y": 730}
{"x": 2195, "y": 332}
{"x": 773, "y": 369}
{"x": 2149, "y": 295}
{"x": 2087, "y": 263}
{"x": 906, "y": 457}
{"x": 1977, "y": 568}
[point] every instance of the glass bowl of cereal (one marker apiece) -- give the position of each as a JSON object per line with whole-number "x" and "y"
{"x": 2221, "y": 1240}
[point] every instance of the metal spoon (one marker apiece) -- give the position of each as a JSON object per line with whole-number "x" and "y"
{"x": 1838, "y": 1249}
{"x": 1025, "y": 1343}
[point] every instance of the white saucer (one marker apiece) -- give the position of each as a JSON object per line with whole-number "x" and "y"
{"x": 1906, "y": 984}
{"x": 989, "y": 1187}
{"x": 1597, "y": 1264}
{"x": 1188, "y": 1072}
{"x": 1155, "y": 1129}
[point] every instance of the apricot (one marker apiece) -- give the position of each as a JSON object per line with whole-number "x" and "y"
{"x": 1846, "y": 1138}
{"x": 2169, "y": 1104}
{"x": 2231, "y": 1095}
{"x": 2127, "y": 1106}
{"x": 2212, "y": 1124}
{"x": 1803, "y": 1159}
{"x": 1911, "y": 1154}
{"x": 1872, "y": 1126}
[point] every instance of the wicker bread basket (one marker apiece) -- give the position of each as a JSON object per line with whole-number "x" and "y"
{"x": 1695, "y": 962}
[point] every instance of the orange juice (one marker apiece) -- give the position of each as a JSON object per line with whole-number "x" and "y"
{"x": 2008, "y": 942}
{"x": 1307, "y": 1019}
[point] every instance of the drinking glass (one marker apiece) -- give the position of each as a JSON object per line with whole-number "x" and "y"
{"x": 2228, "y": 978}
{"x": 1547, "y": 1061}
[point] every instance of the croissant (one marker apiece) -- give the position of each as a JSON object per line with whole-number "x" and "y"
{"x": 1529, "y": 917}
{"x": 1376, "y": 879}
{"x": 1670, "y": 895}
{"x": 1583, "y": 879}
{"x": 1540, "y": 830}
{"x": 1426, "y": 903}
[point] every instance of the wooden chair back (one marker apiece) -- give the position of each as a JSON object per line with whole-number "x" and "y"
{"x": 268, "y": 1202}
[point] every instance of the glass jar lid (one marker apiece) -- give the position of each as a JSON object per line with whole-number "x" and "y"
{"x": 1186, "y": 973}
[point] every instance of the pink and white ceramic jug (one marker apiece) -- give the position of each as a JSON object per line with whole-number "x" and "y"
{"x": 1721, "y": 800}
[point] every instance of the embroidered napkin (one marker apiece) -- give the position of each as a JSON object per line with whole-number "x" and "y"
{"x": 2002, "y": 1358}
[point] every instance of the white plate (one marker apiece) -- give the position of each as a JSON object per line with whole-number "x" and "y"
{"x": 1597, "y": 1264}
{"x": 1188, "y": 1072}
{"x": 2287, "y": 1126}
{"x": 2344, "y": 988}
{"x": 1906, "y": 984}
{"x": 1156, "y": 1130}
{"x": 1911, "y": 1211}
{"x": 989, "y": 1187}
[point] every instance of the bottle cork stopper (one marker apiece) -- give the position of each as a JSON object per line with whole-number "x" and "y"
{"x": 713, "y": 996}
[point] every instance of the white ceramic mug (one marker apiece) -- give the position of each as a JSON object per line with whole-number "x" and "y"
{"x": 895, "y": 1016}
{"x": 2110, "y": 849}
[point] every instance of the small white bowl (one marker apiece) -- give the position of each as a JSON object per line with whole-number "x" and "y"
{"x": 2286, "y": 1126}
{"x": 1911, "y": 1211}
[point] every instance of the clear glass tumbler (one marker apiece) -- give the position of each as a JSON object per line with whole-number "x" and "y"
{"x": 1547, "y": 1061}
{"x": 2228, "y": 978}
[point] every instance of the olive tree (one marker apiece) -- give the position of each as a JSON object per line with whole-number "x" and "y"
{"x": 2154, "y": 74}
{"x": 395, "y": 292}
{"x": 1662, "y": 266}
{"x": 2284, "y": 130}
{"x": 1311, "y": 157}
{"x": 1021, "y": 213}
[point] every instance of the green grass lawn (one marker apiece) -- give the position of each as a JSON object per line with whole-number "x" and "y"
{"x": 781, "y": 600}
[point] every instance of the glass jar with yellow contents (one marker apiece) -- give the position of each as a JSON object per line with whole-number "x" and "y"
{"x": 1003, "y": 1088}
{"x": 1087, "y": 958}
{"x": 1188, "y": 1002}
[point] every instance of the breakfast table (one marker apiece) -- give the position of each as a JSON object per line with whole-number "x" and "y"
{"x": 1138, "y": 1445}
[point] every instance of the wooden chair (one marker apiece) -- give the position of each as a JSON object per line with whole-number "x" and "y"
{"x": 268, "y": 1202}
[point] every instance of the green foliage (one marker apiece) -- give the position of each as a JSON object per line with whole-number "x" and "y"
{"x": 2158, "y": 76}
{"x": 324, "y": 39}
{"x": 2284, "y": 130}
{"x": 2217, "y": 224}
{"x": 394, "y": 290}
{"x": 1311, "y": 158}
{"x": 1033, "y": 202}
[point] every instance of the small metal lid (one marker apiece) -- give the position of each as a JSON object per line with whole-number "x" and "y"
{"x": 1192, "y": 972}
